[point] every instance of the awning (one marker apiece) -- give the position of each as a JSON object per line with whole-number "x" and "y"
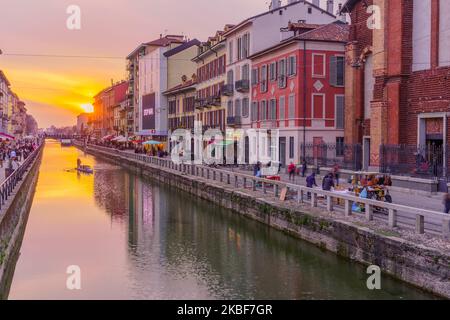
{"x": 119, "y": 138}
{"x": 152, "y": 142}
{"x": 5, "y": 135}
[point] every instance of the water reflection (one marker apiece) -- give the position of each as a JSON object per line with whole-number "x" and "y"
{"x": 134, "y": 238}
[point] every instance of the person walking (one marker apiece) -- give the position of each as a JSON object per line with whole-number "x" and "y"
{"x": 336, "y": 173}
{"x": 328, "y": 182}
{"x": 311, "y": 182}
{"x": 291, "y": 171}
{"x": 447, "y": 203}
{"x": 304, "y": 168}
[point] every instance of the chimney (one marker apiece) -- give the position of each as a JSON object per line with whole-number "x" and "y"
{"x": 274, "y": 4}
{"x": 330, "y": 6}
{"x": 342, "y": 16}
{"x": 316, "y": 3}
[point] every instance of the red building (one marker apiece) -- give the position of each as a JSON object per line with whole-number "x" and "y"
{"x": 298, "y": 88}
{"x": 397, "y": 84}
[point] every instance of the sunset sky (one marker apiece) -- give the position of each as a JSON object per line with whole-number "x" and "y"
{"x": 33, "y": 32}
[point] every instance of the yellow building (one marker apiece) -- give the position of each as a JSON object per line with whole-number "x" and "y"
{"x": 211, "y": 67}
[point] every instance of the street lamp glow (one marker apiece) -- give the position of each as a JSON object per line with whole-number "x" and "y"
{"x": 87, "y": 107}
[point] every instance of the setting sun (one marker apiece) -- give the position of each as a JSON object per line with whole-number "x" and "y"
{"x": 88, "y": 108}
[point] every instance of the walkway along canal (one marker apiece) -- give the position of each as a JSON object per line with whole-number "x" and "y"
{"x": 135, "y": 238}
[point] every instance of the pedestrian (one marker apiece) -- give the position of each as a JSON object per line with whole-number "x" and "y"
{"x": 311, "y": 182}
{"x": 256, "y": 168}
{"x": 328, "y": 182}
{"x": 447, "y": 203}
{"x": 14, "y": 164}
{"x": 336, "y": 173}
{"x": 291, "y": 171}
{"x": 304, "y": 168}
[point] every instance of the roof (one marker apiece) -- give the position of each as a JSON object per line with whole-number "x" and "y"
{"x": 332, "y": 32}
{"x": 294, "y": 26}
{"x": 161, "y": 42}
{"x": 348, "y": 6}
{"x": 2, "y": 75}
{"x": 182, "y": 47}
{"x": 190, "y": 84}
{"x": 244, "y": 22}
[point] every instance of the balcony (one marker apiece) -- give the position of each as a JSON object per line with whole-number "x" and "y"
{"x": 227, "y": 90}
{"x": 242, "y": 86}
{"x": 201, "y": 103}
{"x": 214, "y": 101}
{"x": 234, "y": 121}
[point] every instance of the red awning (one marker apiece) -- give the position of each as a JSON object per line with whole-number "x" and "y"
{"x": 4, "y": 135}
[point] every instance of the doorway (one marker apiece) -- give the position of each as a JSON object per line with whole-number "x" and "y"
{"x": 283, "y": 151}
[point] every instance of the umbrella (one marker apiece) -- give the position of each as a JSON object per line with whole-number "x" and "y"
{"x": 151, "y": 142}
{"x": 121, "y": 139}
{"x": 108, "y": 137}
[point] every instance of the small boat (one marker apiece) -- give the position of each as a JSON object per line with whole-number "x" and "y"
{"x": 85, "y": 169}
{"x": 66, "y": 142}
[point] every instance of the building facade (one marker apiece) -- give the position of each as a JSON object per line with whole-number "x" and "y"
{"x": 211, "y": 66}
{"x": 147, "y": 68}
{"x": 298, "y": 89}
{"x": 397, "y": 76}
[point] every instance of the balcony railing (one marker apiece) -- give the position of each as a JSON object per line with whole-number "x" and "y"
{"x": 201, "y": 103}
{"x": 242, "y": 85}
{"x": 234, "y": 120}
{"x": 227, "y": 90}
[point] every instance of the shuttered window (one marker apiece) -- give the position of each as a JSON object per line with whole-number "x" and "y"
{"x": 263, "y": 110}
{"x": 292, "y": 66}
{"x": 237, "y": 108}
{"x": 264, "y": 85}
{"x": 340, "y": 109}
{"x": 272, "y": 110}
{"x": 254, "y": 116}
{"x": 245, "y": 107}
{"x": 291, "y": 106}
{"x": 230, "y": 108}
{"x": 337, "y": 71}
{"x": 282, "y": 105}
{"x": 282, "y": 73}
{"x": 255, "y": 76}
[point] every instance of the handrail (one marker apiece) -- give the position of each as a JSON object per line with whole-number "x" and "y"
{"x": 238, "y": 179}
{"x": 8, "y": 185}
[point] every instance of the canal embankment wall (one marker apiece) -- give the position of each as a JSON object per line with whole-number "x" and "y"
{"x": 13, "y": 220}
{"x": 419, "y": 265}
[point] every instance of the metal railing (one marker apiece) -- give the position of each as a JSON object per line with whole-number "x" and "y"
{"x": 393, "y": 215}
{"x": 8, "y": 185}
{"x": 347, "y": 156}
{"x": 423, "y": 161}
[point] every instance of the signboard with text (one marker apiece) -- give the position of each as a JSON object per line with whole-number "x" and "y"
{"x": 148, "y": 111}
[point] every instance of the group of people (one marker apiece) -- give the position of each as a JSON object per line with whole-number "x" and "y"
{"x": 13, "y": 152}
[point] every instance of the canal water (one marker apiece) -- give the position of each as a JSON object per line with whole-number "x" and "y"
{"x": 135, "y": 239}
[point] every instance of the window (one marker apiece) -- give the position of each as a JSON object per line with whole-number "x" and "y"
{"x": 264, "y": 78}
{"x": 263, "y": 110}
{"x": 230, "y": 77}
{"x": 273, "y": 71}
{"x": 230, "y": 108}
{"x": 292, "y": 66}
{"x": 272, "y": 110}
{"x": 245, "y": 45}
{"x": 245, "y": 106}
{"x": 239, "y": 49}
{"x": 230, "y": 52}
{"x": 245, "y": 72}
{"x": 291, "y": 107}
{"x": 254, "y": 116}
{"x": 340, "y": 109}
{"x": 237, "y": 108}
{"x": 318, "y": 65}
{"x": 282, "y": 105}
{"x": 318, "y": 106}
{"x": 291, "y": 147}
{"x": 282, "y": 73}
{"x": 337, "y": 71}
{"x": 340, "y": 147}
{"x": 255, "y": 76}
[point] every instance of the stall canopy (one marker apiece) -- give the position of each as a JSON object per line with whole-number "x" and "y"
{"x": 108, "y": 137}
{"x": 119, "y": 139}
{"x": 151, "y": 142}
{"x": 7, "y": 136}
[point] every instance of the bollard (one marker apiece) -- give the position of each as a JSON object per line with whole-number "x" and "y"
{"x": 369, "y": 212}
{"x": 446, "y": 228}
{"x": 264, "y": 187}
{"x": 392, "y": 218}
{"x": 348, "y": 207}
{"x": 221, "y": 177}
{"x": 276, "y": 190}
{"x": 420, "y": 224}
{"x": 228, "y": 179}
{"x": 245, "y": 182}
{"x": 313, "y": 200}
{"x": 253, "y": 185}
{"x": 236, "y": 182}
{"x": 330, "y": 204}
